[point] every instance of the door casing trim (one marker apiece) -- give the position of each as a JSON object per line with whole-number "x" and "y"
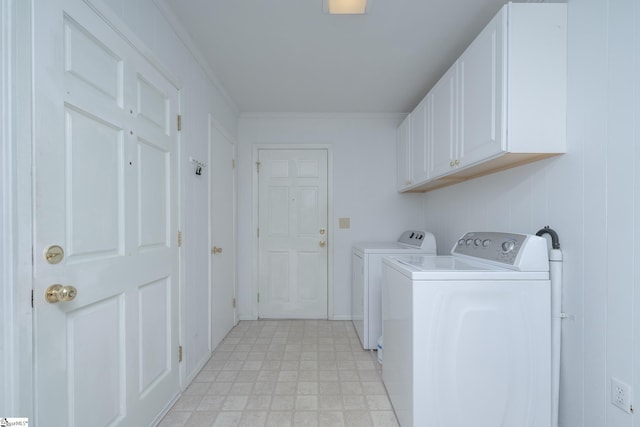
{"x": 16, "y": 195}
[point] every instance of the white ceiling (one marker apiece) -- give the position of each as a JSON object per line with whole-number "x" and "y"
{"x": 288, "y": 56}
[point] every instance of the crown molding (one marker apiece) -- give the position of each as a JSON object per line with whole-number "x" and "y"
{"x": 326, "y": 116}
{"x": 184, "y": 36}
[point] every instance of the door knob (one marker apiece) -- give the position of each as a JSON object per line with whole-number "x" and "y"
{"x": 322, "y": 243}
{"x": 216, "y": 250}
{"x": 59, "y": 293}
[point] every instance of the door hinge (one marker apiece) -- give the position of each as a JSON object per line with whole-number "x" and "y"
{"x": 258, "y": 296}
{"x": 258, "y": 167}
{"x": 179, "y": 353}
{"x": 234, "y": 303}
{"x": 179, "y": 121}
{"x": 31, "y": 298}
{"x": 233, "y": 163}
{"x": 258, "y": 231}
{"x": 179, "y": 238}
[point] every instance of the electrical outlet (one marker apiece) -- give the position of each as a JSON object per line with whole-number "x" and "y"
{"x": 621, "y": 395}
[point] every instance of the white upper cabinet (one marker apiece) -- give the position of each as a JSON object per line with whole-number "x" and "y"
{"x": 480, "y": 96}
{"x": 419, "y": 143}
{"x": 443, "y": 136}
{"x": 503, "y": 102}
{"x": 403, "y": 154}
{"x": 412, "y": 148}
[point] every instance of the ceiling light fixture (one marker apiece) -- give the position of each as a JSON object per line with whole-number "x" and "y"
{"x": 345, "y": 7}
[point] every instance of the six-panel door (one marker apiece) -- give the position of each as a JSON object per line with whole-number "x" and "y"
{"x": 105, "y": 191}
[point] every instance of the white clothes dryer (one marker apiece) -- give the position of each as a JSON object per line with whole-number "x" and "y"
{"x": 366, "y": 309}
{"x": 467, "y": 337}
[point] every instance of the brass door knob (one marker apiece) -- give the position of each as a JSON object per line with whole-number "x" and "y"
{"x": 216, "y": 250}
{"x": 58, "y": 293}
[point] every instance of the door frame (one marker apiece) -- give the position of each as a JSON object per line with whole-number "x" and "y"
{"x": 255, "y": 219}
{"x": 16, "y": 271}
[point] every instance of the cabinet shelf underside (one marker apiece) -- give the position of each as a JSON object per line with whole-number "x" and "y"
{"x": 503, "y": 162}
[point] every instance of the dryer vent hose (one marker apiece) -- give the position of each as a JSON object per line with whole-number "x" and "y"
{"x": 555, "y": 241}
{"x": 555, "y": 274}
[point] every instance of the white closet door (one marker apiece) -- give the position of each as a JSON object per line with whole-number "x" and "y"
{"x": 222, "y": 236}
{"x": 105, "y": 192}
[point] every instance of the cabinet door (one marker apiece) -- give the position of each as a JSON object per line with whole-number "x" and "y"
{"x": 419, "y": 143}
{"x": 480, "y": 89}
{"x": 443, "y": 125}
{"x": 403, "y": 147}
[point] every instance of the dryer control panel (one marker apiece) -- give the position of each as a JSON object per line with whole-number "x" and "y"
{"x": 417, "y": 239}
{"x": 517, "y": 251}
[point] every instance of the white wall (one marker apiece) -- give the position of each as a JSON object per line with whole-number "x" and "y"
{"x": 200, "y": 99}
{"x": 364, "y": 188}
{"x": 590, "y": 197}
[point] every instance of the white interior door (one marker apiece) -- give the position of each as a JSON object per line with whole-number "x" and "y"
{"x": 222, "y": 236}
{"x": 292, "y": 236}
{"x": 105, "y": 191}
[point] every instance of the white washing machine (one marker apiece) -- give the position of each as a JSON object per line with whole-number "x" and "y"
{"x": 467, "y": 337}
{"x": 366, "y": 310}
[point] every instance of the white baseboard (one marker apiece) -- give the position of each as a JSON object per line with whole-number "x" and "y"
{"x": 335, "y": 317}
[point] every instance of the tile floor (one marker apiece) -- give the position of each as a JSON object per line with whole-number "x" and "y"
{"x": 283, "y": 373}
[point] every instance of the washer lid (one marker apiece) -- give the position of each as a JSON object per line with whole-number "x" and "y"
{"x": 390, "y": 248}
{"x": 430, "y": 267}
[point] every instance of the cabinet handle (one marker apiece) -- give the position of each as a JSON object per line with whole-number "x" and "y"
{"x": 457, "y": 162}
{"x": 451, "y": 163}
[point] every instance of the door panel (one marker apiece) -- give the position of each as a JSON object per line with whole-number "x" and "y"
{"x": 292, "y": 210}
{"x": 153, "y": 195}
{"x": 278, "y": 277}
{"x": 443, "y": 124}
{"x": 84, "y": 348}
{"x": 152, "y": 105}
{"x": 420, "y": 141}
{"x": 310, "y": 266}
{"x": 92, "y": 145}
{"x": 105, "y": 190}
{"x": 155, "y": 330}
{"x": 91, "y": 66}
{"x": 480, "y": 96}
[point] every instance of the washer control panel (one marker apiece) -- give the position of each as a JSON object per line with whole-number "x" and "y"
{"x": 491, "y": 246}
